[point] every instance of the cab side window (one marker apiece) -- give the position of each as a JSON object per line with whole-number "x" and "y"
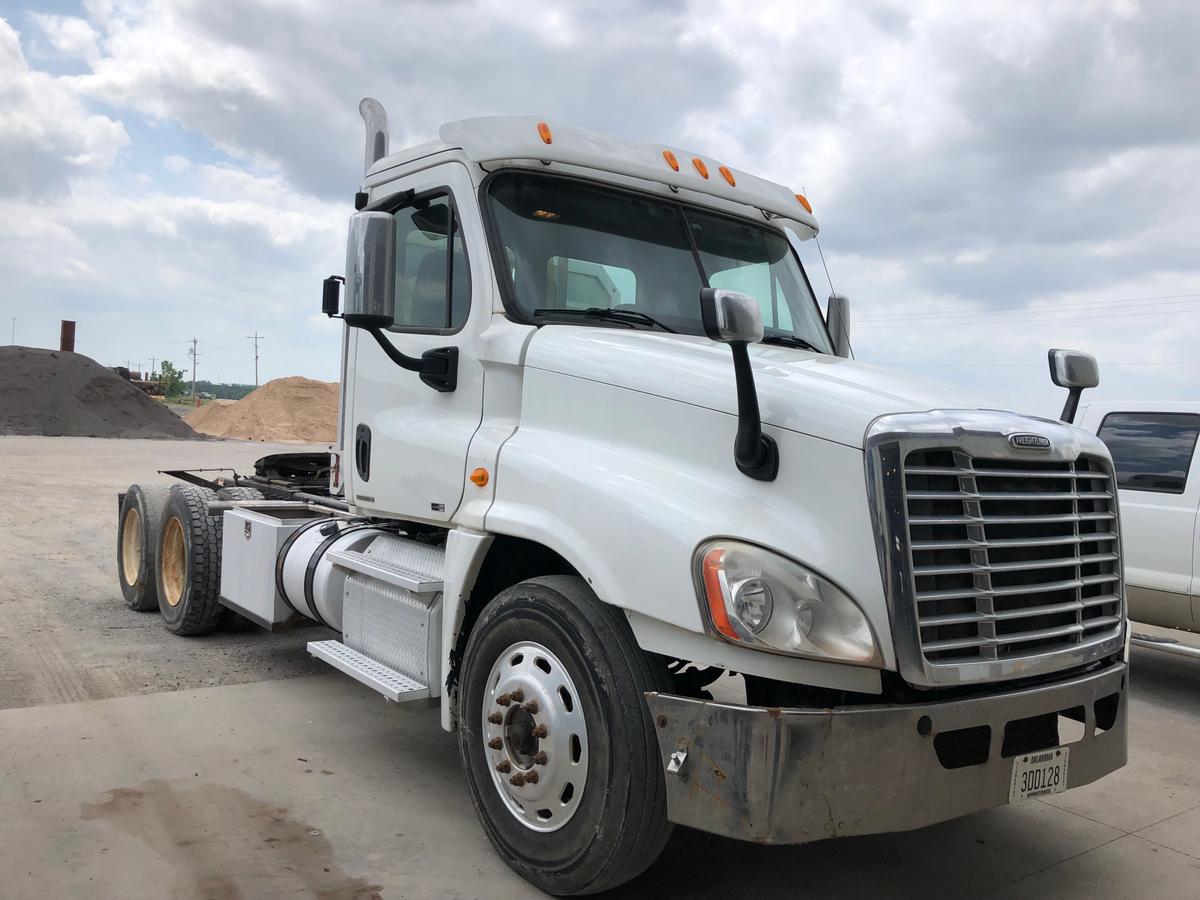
{"x": 433, "y": 284}
{"x": 1151, "y": 451}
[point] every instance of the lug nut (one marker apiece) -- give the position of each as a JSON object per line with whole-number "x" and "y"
{"x": 540, "y": 731}
{"x": 531, "y": 707}
{"x": 504, "y": 699}
{"x": 518, "y": 695}
{"x": 531, "y": 777}
{"x": 496, "y": 743}
{"x": 541, "y": 759}
{"x": 517, "y": 780}
{"x": 504, "y": 767}
{"x": 495, "y": 718}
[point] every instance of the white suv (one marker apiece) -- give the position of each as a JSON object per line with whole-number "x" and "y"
{"x": 1153, "y": 445}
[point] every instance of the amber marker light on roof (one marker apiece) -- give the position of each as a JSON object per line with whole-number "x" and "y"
{"x": 479, "y": 477}
{"x": 671, "y": 160}
{"x": 727, "y": 175}
{"x": 803, "y": 201}
{"x": 544, "y": 131}
{"x": 700, "y": 167}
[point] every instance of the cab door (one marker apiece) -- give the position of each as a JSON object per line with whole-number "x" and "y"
{"x": 405, "y": 442}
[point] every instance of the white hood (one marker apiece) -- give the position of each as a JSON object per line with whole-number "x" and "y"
{"x": 811, "y": 393}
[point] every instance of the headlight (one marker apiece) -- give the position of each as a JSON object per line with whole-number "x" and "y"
{"x": 758, "y": 598}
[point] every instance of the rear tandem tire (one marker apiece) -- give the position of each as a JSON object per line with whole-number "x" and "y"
{"x": 619, "y": 825}
{"x": 189, "y": 562}
{"x": 239, "y": 493}
{"x": 138, "y": 527}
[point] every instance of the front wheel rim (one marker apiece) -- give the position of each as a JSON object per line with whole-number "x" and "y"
{"x": 534, "y": 736}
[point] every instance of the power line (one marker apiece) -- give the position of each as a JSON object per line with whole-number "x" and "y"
{"x": 928, "y": 323}
{"x": 996, "y": 310}
{"x": 256, "y": 337}
{"x": 193, "y": 354}
{"x": 1038, "y": 365}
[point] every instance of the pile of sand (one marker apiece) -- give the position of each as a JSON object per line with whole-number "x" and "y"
{"x": 49, "y": 392}
{"x": 286, "y": 409}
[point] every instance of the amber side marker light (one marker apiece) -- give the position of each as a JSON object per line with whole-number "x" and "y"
{"x": 727, "y": 175}
{"x": 710, "y": 570}
{"x": 544, "y": 131}
{"x": 700, "y": 167}
{"x": 803, "y": 201}
{"x": 671, "y": 160}
{"x": 479, "y": 477}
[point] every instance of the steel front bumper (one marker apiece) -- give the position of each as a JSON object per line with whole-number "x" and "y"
{"x": 795, "y": 775}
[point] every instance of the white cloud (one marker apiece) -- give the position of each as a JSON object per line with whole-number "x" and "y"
{"x": 47, "y": 134}
{"x": 974, "y": 166}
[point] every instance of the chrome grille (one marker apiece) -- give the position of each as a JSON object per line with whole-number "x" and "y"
{"x": 1010, "y": 558}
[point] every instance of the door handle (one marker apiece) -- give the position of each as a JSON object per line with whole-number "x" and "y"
{"x": 362, "y": 452}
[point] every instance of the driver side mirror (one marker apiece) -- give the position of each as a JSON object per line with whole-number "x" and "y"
{"x": 837, "y": 320}
{"x": 1076, "y": 371}
{"x": 371, "y": 271}
{"x": 371, "y": 298}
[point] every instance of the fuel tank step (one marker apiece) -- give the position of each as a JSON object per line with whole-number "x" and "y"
{"x": 418, "y": 580}
{"x": 376, "y": 676}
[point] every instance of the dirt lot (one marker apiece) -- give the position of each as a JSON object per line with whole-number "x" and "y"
{"x": 136, "y": 764}
{"x": 64, "y": 635}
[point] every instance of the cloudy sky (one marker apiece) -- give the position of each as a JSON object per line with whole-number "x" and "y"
{"x": 991, "y": 179}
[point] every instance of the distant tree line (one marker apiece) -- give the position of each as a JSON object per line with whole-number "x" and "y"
{"x": 222, "y": 391}
{"x": 177, "y": 386}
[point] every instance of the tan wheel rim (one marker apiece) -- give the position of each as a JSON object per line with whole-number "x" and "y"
{"x": 131, "y": 546}
{"x": 174, "y": 561}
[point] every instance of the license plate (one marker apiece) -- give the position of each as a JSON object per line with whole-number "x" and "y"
{"x": 1039, "y": 774}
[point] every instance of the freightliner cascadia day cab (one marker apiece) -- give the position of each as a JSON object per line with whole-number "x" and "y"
{"x": 611, "y": 488}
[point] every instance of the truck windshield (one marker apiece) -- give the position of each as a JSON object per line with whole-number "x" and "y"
{"x": 572, "y": 246}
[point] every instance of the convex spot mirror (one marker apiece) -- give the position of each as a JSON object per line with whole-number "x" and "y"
{"x": 371, "y": 271}
{"x": 1074, "y": 369}
{"x": 730, "y": 317}
{"x": 837, "y": 320}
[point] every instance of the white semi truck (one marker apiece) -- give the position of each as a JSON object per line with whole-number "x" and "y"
{"x": 601, "y": 457}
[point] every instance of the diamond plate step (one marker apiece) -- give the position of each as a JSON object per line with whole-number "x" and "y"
{"x": 407, "y": 577}
{"x": 378, "y": 677}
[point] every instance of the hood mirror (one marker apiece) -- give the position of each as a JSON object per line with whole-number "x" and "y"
{"x": 1076, "y": 371}
{"x": 736, "y": 319}
{"x": 730, "y": 317}
{"x": 837, "y": 320}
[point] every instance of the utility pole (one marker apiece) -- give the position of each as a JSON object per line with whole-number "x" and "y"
{"x": 192, "y": 354}
{"x": 256, "y": 337}
{"x": 14, "y": 331}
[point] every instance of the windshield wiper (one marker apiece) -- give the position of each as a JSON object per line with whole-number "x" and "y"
{"x": 790, "y": 340}
{"x": 625, "y": 316}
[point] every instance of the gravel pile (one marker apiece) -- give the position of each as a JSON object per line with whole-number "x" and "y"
{"x": 53, "y": 393}
{"x": 286, "y": 409}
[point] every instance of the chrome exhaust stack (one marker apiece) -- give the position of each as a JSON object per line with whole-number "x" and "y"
{"x": 375, "y": 118}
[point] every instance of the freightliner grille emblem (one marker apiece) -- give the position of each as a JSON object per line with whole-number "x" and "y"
{"x": 1029, "y": 441}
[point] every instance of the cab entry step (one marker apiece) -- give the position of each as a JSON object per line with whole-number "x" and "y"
{"x": 408, "y": 577}
{"x": 388, "y": 682}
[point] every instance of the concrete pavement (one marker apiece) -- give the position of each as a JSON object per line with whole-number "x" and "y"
{"x": 316, "y": 787}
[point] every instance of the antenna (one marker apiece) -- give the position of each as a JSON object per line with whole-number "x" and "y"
{"x": 817, "y": 240}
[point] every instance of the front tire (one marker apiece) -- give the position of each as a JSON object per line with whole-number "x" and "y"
{"x": 532, "y": 642}
{"x": 189, "y": 562}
